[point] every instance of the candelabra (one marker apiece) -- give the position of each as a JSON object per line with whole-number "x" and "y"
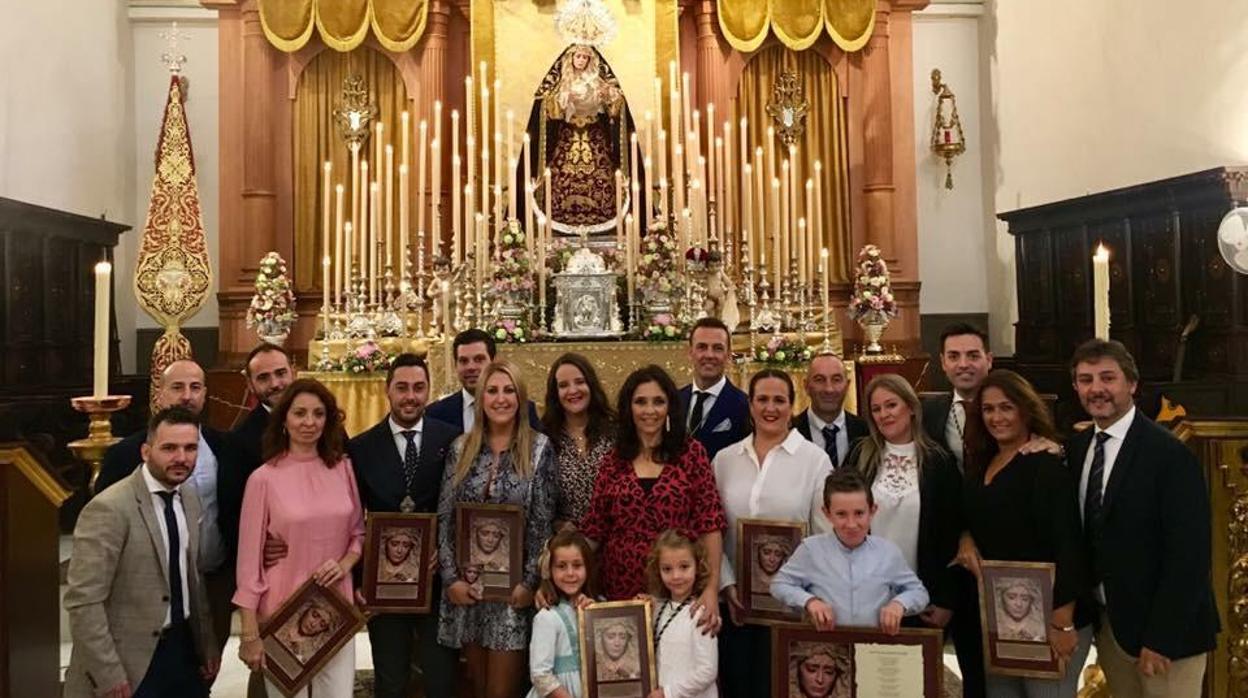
{"x": 765, "y": 319}
{"x": 747, "y": 283}
{"x": 358, "y": 324}
{"x": 826, "y": 347}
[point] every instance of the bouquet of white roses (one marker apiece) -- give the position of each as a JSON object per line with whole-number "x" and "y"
{"x": 872, "y": 292}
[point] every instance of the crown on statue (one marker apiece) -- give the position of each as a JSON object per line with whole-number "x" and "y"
{"x": 585, "y": 22}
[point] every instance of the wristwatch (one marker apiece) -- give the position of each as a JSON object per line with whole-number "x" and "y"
{"x": 1063, "y": 629}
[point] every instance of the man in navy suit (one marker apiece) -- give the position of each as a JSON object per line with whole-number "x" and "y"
{"x": 214, "y": 478}
{"x": 473, "y": 349}
{"x": 717, "y": 411}
{"x": 398, "y": 465}
{"x": 1146, "y": 517}
{"x": 826, "y": 424}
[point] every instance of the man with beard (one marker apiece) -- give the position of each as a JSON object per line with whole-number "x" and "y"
{"x": 137, "y": 615}
{"x": 269, "y": 372}
{"x": 398, "y": 465}
{"x": 215, "y": 479}
{"x": 474, "y": 350}
{"x": 826, "y": 424}
{"x": 1146, "y": 517}
{"x": 717, "y": 412}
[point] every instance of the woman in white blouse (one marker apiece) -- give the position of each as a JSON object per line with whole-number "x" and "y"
{"x": 917, "y": 489}
{"x": 774, "y": 473}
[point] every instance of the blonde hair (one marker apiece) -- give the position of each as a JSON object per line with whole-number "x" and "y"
{"x": 871, "y": 449}
{"x": 522, "y": 435}
{"x": 672, "y": 539}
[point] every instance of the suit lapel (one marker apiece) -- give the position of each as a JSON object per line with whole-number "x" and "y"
{"x": 1124, "y": 460}
{"x": 147, "y": 512}
{"x": 383, "y": 464}
{"x": 718, "y": 410}
{"x": 802, "y": 424}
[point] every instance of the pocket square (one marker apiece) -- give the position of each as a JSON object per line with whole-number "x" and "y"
{"x": 722, "y": 426}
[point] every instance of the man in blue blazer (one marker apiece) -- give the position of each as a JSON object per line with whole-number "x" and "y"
{"x": 473, "y": 349}
{"x": 398, "y": 466}
{"x": 716, "y": 411}
{"x": 1146, "y": 517}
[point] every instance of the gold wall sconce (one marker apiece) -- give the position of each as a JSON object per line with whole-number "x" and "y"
{"x": 947, "y": 139}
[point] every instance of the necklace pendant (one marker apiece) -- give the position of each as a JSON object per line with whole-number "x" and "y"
{"x": 407, "y": 506}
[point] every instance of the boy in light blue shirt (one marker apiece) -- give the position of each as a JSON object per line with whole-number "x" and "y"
{"x": 849, "y": 577}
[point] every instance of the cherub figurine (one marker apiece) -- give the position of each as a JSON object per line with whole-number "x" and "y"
{"x": 721, "y": 293}
{"x": 442, "y": 284}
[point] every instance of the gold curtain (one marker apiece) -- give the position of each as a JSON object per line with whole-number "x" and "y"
{"x": 796, "y": 23}
{"x": 343, "y": 24}
{"x": 824, "y": 140}
{"x": 317, "y": 140}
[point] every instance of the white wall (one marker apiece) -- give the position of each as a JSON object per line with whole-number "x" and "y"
{"x": 151, "y": 88}
{"x": 65, "y": 112}
{"x": 1088, "y": 96}
{"x": 953, "y": 247}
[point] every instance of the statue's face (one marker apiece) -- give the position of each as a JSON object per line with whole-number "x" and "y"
{"x": 398, "y": 549}
{"x": 1018, "y": 602}
{"x": 580, "y": 60}
{"x": 615, "y": 641}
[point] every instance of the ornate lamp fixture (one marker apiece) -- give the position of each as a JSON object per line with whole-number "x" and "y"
{"x": 947, "y": 139}
{"x": 788, "y": 107}
{"x": 355, "y": 113}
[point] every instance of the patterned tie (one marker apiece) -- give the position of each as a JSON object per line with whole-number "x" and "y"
{"x": 695, "y": 415}
{"x": 1092, "y": 500}
{"x": 955, "y": 430}
{"x": 411, "y": 458}
{"x": 176, "y": 610}
{"x": 829, "y": 442}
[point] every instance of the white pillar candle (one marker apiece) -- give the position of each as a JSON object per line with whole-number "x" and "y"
{"x": 103, "y": 289}
{"x": 1100, "y": 293}
{"x": 456, "y": 189}
{"x": 340, "y": 262}
{"x": 436, "y": 193}
{"x": 422, "y": 163}
{"x": 388, "y": 222}
{"x": 326, "y": 213}
{"x": 404, "y": 233}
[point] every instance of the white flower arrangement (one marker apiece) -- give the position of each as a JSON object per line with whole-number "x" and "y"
{"x": 272, "y": 310}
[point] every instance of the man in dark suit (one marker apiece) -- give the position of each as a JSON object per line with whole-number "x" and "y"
{"x": 966, "y": 361}
{"x": 1146, "y": 515}
{"x": 826, "y": 424}
{"x": 473, "y": 350}
{"x": 398, "y": 465}
{"x": 717, "y": 412}
{"x": 137, "y": 613}
{"x": 214, "y": 479}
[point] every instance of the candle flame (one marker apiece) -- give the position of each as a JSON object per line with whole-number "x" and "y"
{"x": 1102, "y": 253}
{"x": 103, "y": 268}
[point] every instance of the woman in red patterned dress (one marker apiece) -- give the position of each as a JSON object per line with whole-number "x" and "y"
{"x": 656, "y": 478}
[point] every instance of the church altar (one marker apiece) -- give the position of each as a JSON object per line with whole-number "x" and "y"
{"x": 362, "y": 397}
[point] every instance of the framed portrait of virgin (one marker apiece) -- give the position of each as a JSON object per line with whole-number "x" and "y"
{"x": 399, "y": 555}
{"x": 763, "y": 546}
{"x": 489, "y": 548}
{"x": 856, "y": 663}
{"x": 1015, "y": 603}
{"x": 617, "y": 650}
{"x": 305, "y": 633}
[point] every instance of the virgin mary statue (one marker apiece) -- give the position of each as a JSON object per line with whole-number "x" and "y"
{"x": 582, "y": 129}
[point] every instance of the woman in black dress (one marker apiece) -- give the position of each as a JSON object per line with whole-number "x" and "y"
{"x": 581, "y": 426}
{"x": 1023, "y": 507}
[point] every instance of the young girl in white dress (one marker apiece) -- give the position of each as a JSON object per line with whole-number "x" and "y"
{"x": 677, "y": 573}
{"x": 554, "y": 648}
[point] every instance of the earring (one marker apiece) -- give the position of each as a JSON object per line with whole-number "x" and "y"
{"x": 667, "y": 425}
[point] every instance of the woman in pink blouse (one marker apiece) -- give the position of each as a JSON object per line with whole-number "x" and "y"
{"x": 305, "y": 495}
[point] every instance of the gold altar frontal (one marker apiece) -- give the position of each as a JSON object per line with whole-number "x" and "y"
{"x": 362, "y": 397}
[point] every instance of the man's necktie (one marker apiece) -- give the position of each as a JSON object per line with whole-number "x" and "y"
{"x": 695, "y": 415}
{"x": 829, "y": 442}
{"x": 1093, "y": 499}
{"x": 411, "y": 458}
{"x": 176, "y": 612}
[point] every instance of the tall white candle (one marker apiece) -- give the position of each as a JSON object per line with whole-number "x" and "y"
{"x": 526, "y": 155}
{"x": 348, "y": 234}
{"x": 363, "y": 225}
{"x": 823, "y": 267}
{"x": 773, "y": 227}
{"x": 340, "y": 262}
{"x": 1100, "y": 293}
{"x": 436, "y": 194}
{"x": 374, "y": 234}
{"x": 388, "y": 193}
{"x": 422, "y": 163}
{"x": 103, "y": 288}
{"x": 404, "y": 232}
{"x": 405, "y": 127}
{"x": 326, "y": 220}
{"x": 326, "y": 263}
{"x": 456, "y": 189}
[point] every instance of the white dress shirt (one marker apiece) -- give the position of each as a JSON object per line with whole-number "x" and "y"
{"x": 1117, "y": 432}
{"x": 896, "y": 491}
{"x": 204, "y": 480}
{"x": 787, "y": 486}
{"x": 842, "y": 436}
{"x": 713, "y": 391}
{"x": 470, "y": 415}
{"x": 184, "y": 538}
{"x": 400, "y": 441}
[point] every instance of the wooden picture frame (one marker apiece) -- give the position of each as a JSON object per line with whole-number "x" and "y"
{"x": 857, "y": 662}
{"x": 756, "y": 564}
{"x": 394, "y": 584}
{"x": 305, "y": 633}
{"x": 1016, "y": 637}
{"x": 495, "y": 573}
{"x": 633, "y": 674}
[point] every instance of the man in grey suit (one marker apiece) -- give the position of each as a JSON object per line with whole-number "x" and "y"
{"x": 138, "y": 616}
